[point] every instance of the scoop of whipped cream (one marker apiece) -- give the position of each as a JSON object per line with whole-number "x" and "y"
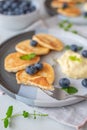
{"x": 73, "y": 65}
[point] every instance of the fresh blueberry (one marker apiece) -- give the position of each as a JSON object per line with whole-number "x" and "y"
{"x": 39, "y": 66}
{"x": 33, "y": 43}
{"x": 23, "y": 4}
{"x": 1, "y": 10}
{"x": 74, "y": 47}
{"x": 32, "y": 8}
{"x": 84, "y": 82}
{"x": 31, "y": 70}
{"x": 65, "y": 5}
{"x": 14, "y": 5}
{"x": 8, "y": 3}
{"x": 64, "y": 82}
{"x": 1, "y": 4}
{"x": 16, "y": 11}
{"x": 84, "y": 53}
{"x": 5, "y": 7}
{"x": 29, "y": 3}
{"x": 85, "y": 14}
{"x": 9, "y": 13}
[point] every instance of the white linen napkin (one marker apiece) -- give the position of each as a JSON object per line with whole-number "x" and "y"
{"x": 74, "y": 115}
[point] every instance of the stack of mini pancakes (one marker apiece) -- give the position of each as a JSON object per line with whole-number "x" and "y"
{"x": 67, "y": 7}
{"x": 44, "y": 78}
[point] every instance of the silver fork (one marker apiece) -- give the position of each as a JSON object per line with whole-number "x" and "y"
{"x": 60, "y": 94}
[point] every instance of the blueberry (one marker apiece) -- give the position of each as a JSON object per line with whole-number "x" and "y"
{"x": 33, "y": 43}
{"x": 14, "y": 5}
{"x": 23, "y": 4}
{"x": 39, "y": 66}
{"x": 85, "y": 14}
{"x": 32, "y": 8}
{"x": 5, "y": 7}
{"x": 1, "y": 4}
{"x": 84, "y": 82}
{"x": 64, "y": 82}
{"x": 84, "y": 53}
{"x": 74, "y": 47}
{"x": 31, "y": 70}
{"x": 9, "y": 13}
{"x": 65, "y": 5}
{"x": 8, "y": 2}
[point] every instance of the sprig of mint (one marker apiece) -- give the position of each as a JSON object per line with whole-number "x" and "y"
{"x": 75, "y": 58}
{"x": 70, "y": 90}
{"x": 66, "y": 26}
{"x": 25, "y": 114}
{"x": 74, "y": 31}
{"x": 28, "y": 56}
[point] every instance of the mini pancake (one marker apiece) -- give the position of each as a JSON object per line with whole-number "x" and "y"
{"x": 43, "y": 79}
{"x": 70, "y": 12}
{"x": 14, "y": 63}
{"x": 49, "y": 41}
{"x": 47, "y": 72}
{"x": 59, "y": 4}
{"x": 25, "y": 48}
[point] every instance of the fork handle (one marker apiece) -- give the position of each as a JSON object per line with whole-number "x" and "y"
{"x": 80, "y": 96}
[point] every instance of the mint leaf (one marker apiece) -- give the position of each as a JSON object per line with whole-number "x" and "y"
{"x": 70, "y": 90}
{"x": 9, "y": 111}
{"x": 69, "y": 25}
{"x": 74, "y": 58}
{"x": 80, "y": 48}
{"x": 25, "y": 114}
{"x": 61, "y": 25}
{"x": 6, "y": 122}
{"x": 74, "y": 31}
{"x": 66, "y": 29}
{"x": 28, "y": 56}
{"x": 35, "y": 115}
{"x": 67, "y": 47}
{"x": 65, "y": 21}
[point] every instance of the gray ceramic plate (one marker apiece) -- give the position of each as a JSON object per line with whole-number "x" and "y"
{"x": 33, "y": 95}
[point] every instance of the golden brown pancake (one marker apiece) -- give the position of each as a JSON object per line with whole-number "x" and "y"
{"x": 59, "y": 4}
{"x": 48, "y": 41}
{"x": 47, "y": 72}
{"x": 25, "y": 48}
{"x": 13, "y": 63}
{"x": 70, "y": 12}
